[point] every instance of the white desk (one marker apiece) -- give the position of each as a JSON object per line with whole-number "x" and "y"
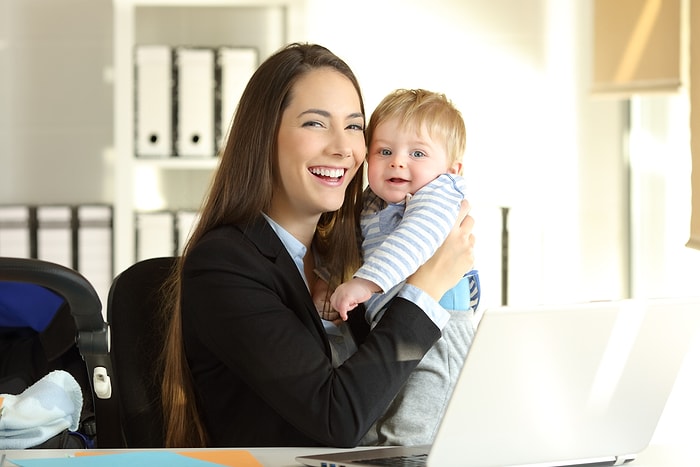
{"x": 653, "y": 456}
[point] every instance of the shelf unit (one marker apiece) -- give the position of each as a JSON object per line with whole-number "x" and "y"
{"x": 174, "y": 182}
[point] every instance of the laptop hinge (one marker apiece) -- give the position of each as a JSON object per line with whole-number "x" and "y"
{"x": 621, "y": 460}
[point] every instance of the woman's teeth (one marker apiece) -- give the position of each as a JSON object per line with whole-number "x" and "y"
{"x": 331, "y": 173}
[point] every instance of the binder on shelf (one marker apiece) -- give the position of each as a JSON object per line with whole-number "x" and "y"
{"x": 93, "y": 243}
{"x": 185, "y": 222}
{"x": 235, "y": 66}
{"x": 155, "y": 234}
{"x": 153, "y": 101}
{"x": 55, "y": 234}
{"x": 16, "y": 231}
{"x": 195, "y": 91}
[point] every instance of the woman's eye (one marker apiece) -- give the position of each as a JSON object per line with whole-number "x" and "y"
{"x": 356, "y": 126}
{"x": 313, "y": 123}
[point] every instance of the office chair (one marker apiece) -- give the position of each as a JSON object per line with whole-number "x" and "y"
{"x": 90, "y": 333}
{"x": 137, "y": 338}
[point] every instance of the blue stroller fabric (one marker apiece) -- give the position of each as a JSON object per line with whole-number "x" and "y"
{"x": 24, "y": 305}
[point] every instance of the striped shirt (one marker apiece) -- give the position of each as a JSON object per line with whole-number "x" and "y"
{"x": 398, "y": 238}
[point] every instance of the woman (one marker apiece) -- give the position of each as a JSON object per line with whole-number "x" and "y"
{"x": 248, "y": 361}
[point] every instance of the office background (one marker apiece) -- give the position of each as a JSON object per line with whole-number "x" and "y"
{"x": 598, "y": 189}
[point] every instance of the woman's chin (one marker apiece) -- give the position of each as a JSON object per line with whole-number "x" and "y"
{"x": 331, "y": 207}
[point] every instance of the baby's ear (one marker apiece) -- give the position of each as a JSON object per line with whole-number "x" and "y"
{"x": 455, "y": 168}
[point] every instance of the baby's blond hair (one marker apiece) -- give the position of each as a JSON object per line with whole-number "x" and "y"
{"x": 416, "y": 109}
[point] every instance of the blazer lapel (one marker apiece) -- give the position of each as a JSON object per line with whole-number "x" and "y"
{"x": 268, "y": 243}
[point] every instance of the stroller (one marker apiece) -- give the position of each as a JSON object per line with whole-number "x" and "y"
{"x": 51, "y": 319}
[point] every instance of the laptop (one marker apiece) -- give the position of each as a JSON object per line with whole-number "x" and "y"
{"x": 582, "y": 384}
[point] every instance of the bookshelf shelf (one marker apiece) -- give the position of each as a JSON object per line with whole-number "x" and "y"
{"x": 172, "y": 183}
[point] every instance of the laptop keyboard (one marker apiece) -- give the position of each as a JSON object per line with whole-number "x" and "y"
{"x": 416, "y": 460}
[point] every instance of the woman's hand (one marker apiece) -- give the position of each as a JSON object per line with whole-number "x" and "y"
{"x": 320, "y": 297}
{"x": 451, "y": 261}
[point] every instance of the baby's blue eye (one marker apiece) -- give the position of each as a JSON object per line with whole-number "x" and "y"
{"x": 385, "y": 152}
{"x": 417, "y": 154}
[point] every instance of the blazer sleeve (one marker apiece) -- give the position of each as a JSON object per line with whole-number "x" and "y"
{"x": 250, "y": 325}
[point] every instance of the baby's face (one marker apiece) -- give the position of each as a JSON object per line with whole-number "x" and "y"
{"x": 402, "y": 161}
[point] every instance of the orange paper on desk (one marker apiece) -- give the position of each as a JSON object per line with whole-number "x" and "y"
{"x": 229, "y": 457}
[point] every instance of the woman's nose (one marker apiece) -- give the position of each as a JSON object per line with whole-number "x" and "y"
{"x": 342, "y": 147}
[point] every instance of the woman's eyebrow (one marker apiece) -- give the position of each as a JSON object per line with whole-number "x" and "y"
{"x": 325, "y": 113}
{"x": 322, "y": 113}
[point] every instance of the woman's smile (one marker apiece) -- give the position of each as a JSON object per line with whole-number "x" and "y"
{"x": 329, "y": 174}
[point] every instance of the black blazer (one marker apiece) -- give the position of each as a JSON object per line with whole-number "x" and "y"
{"x": 260, "y": 356}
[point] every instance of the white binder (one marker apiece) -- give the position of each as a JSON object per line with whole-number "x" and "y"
{"x": 55, "y": 234}
{"x": 186, "y": 222}
{"x": 195, "y": 102}
{"x": 236, "y": 65}
{"x": 154, "y": 101}
{"x": 15, "y": 231}
{"x": 94, "y": 242}
{"x": 155, "y": 234}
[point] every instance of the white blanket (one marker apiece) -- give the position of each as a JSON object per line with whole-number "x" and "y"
{"x": 42, "y": 411}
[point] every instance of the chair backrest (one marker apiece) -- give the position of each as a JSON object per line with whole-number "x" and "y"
{"x": 92, "y": 339}
{"x": 137, "y": 337}
{"x": 77, "y": 291}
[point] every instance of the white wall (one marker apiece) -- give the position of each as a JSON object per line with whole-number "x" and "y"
{"x": 661, "y": 196}
{"x": 55, "y": 101}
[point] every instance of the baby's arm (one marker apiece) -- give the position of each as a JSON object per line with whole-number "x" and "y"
{"x": 429, "y": 217}
{"x": 351, "y": 293}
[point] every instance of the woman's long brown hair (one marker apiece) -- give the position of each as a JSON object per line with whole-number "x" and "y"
{"x": 241, "y": 190}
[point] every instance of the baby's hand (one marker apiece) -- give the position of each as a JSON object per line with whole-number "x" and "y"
{"x": 350, "y": 294}
{"x": 327, "y": 313}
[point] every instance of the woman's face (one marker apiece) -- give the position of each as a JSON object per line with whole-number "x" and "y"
{"x": 320, "y": 146}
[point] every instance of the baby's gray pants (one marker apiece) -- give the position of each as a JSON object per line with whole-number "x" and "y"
{"x": 414, "y": 415}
